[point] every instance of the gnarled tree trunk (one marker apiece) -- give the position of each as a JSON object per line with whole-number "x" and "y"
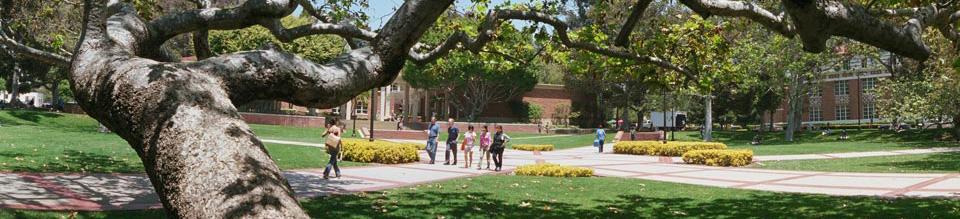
{"x": 201, "y": 157}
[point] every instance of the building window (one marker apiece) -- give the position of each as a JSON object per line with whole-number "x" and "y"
{"x": 816, "y": 91}
{"x": 394, "y": 88}
{"x": 840, "y": 88}
{"x": 816, "y": 114}
{"x": 869, "y": 84}
{"x": 869, "y": 111}
{"x": 360, "y": 108}
{"x": 843, "y": 113}
{"x": 335, "y": 110}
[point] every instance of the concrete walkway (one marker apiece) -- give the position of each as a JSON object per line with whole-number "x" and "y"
{"x": 133, "y": 191}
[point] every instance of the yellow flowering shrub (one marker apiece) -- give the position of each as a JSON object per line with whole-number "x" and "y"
{"x": 384, "y": 152}
{"x": 533, "y": 147}
{"x": 726, "y": 158}
{"x": 554, "y": 170}
{"x": 657, "y": 148}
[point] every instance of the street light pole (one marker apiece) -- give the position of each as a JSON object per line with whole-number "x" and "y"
{"x": 664, "y": 127}
{"x": 859, "y": 102}
{"x": 372, "y": 112}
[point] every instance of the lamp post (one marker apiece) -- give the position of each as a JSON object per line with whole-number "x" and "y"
{"x": 859, "y": 101}
{"x": 372, "y": 112}
{"x": 664, "y": 127}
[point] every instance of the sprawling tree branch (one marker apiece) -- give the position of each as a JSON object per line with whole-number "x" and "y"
{"x": 749, "y": 10}
{"x": 346, "y": 31}
{"x": 488, "y": 28}
{"x": 257, "y": 75}
{"x": 817, "y": 21}
{"x": 40, "y": 55}
{"x": 623, "y": 38}
{"x": 201, "y": 42}
{"x": 201, "y": 157}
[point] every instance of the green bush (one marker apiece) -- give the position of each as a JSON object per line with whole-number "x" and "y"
{"x": 528, "y": 112}
{"x": 718, "y": 157}
{"x": 657, "y": 148}
{"x": 553, "y": 170}
{"x": 533, "y": 147}
{"x": 380, "y": 152}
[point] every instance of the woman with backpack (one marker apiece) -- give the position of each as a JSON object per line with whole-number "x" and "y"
{"x": 500, "y": 140}
{"x": 332, "y": 143}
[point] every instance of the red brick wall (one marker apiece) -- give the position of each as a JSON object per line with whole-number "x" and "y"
{"x": 284, "y": 120}
{"x": 642, "y": 136}
{"x": 829, "y": 102}
{"x": 512, "y": 127}
{"x": 547, "y": 96}
{"x": 73, "y": 108}
{"x": 854, "y": 106}
{"x": 399, "y": 134}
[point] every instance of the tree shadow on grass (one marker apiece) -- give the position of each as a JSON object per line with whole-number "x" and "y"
{"x": 933, "y": 162}
{"x": 33, "y": 116}
{"x": 73, "y": 161}
{"x": 486, "y": 205}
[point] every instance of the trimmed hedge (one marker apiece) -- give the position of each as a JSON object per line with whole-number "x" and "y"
{"x": 533, "y": 147}
{"x": 657, "y": 148}
{"x": 379, "y": 152}
{"x": 553, "y": 170}
{"x": 726, "y": 158}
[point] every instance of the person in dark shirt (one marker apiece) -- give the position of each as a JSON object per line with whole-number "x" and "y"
{"x": 500, "y": 140}
{"x": 452, "y": 133}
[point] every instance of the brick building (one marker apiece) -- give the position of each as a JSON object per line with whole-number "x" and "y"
{"x": 842, "y": 95}
{"x": 400, "y": 100}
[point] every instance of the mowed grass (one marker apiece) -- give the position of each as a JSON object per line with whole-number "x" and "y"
{"x": 52, "y": 142}
{"x": 813, "y": 143}
{"x": 917, "y": 163}
{"x": 595, "y": 197}
{"x": 562, "y": 141}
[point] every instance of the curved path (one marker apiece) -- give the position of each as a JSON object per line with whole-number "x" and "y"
{"x": 134, "y": 191}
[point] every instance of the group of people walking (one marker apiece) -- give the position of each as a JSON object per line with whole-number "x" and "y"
{"x": 490, "y": 145}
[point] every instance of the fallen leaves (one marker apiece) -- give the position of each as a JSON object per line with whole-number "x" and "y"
{"x": 524, "y": 204}
{"x": 614, "y": 210}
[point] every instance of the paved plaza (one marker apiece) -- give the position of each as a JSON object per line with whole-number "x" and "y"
{"x": 133, "y": 191}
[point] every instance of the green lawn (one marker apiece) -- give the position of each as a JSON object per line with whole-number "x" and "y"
{"x": 596, "y": 197}
{"x": 49, "y": 142}
{"x": 919, "y": 163}
{"x": 814, "y": 143}
{"x": 561, "y": 142}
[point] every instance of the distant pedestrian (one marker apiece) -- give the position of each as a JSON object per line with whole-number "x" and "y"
{"x": 601, "y": 134}
{"x": 452, "y": 134}
{"x": 620, "y": 124}
{"x": 469, "y": 140}
{"x": 432, "y": 133}
{"x": 500, "y": 140}
{"x": 333, "y": 144}
{"x": 485, "y": 141}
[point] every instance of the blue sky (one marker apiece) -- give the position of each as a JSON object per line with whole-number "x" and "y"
{"x": 380, "y": 11}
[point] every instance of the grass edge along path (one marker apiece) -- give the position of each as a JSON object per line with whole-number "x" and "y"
{"x": 914, "y": 163}
{"x": 500, "y": 196}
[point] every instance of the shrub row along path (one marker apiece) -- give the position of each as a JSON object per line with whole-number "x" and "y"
{"x": 71, "y": 191}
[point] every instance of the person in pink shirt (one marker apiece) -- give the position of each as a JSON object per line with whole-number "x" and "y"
{"x": 469, "y": 140}
{"x": 485, "y": 141}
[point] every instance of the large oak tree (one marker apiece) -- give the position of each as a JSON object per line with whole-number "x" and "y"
{"x": 205, "y": 162}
